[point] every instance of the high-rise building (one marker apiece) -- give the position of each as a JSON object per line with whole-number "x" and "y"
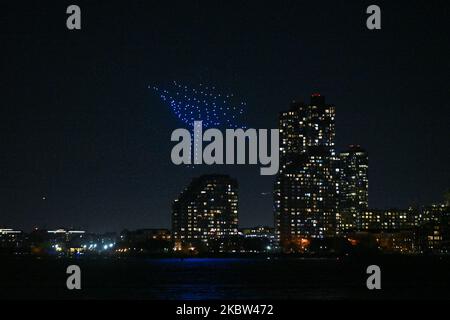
{"x": 353, "y": 187}
{"x": 205, "y": 215}
{"x": 305, "y": 192}
{"x": 305, "y": 126}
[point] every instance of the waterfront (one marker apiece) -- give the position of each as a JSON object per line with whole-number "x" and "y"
{"x": 226, "y": 278}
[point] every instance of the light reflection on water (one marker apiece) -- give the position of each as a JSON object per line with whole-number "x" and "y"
{"x": 232, "y": 278}
{"x": 225, "y": 278}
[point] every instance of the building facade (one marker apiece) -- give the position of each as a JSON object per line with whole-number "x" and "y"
{"x": 205, "y": 215}
{"x": 390, "y": 220}
{"x": 354, "y": 188}
{"x": 306, "y": 187}
{"x": 433, "y": 228}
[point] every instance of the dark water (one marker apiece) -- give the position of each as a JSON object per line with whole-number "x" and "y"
{"x": 200, "y": 279}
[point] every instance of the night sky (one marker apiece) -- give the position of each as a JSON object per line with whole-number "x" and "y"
{"x": 86, "y": 144}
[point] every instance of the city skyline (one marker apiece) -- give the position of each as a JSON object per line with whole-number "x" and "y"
{"x": 289, "y": 153}
{"x": 345, "y": 157}
{"x": 224, "y": 158}
{"x": 86, "y": 143}
{"x": 205, "y": 221}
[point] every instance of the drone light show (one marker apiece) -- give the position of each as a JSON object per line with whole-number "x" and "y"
{"x": 203, "y": 103}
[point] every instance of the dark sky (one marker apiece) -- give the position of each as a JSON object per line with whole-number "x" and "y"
{"x": 80, "y": 127}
